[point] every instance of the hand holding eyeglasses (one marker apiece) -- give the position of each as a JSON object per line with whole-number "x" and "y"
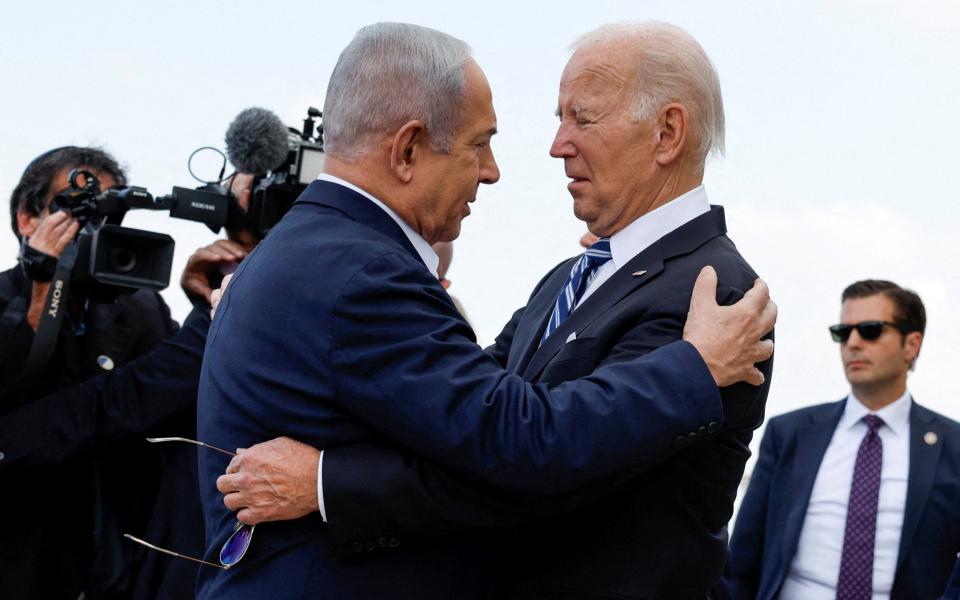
{"x": 236, "y": 544}
{"x": 272, "y": 481}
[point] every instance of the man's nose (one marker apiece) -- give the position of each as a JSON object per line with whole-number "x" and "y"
{"x": 854, "y": 341}
{"x": 561, "y": 146}
{"x": 489, "y": 171}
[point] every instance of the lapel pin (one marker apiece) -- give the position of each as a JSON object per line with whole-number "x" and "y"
{"x": 639, "y": 273}
{"x": 930, "y": 438}
{"x": 106, "y": 363}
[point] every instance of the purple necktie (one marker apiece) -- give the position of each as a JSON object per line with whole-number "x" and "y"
{"x": 856, "y": 564}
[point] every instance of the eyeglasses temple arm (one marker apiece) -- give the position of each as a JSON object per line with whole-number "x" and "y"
{"x": 189, "y": 441}
{"x": 172, "y": 553}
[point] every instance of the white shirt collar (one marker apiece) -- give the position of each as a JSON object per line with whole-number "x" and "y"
{"x": 639, "y": 235}
{"x": 896, "y": 415}
{"x": 427, "y": 255}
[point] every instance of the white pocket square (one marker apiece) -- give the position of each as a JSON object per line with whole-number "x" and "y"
{"x": 571, "y": 337}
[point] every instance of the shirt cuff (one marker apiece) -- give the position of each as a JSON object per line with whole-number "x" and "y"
{"x": 323, "y": 509}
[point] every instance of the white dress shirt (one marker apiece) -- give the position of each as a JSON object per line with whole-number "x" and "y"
{"x": 427, "y": 255}
{"x": 639, "y": 235}
{"x": 816, "y": 566}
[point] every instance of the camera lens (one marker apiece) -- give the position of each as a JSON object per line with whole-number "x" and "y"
{"x": 122, "y": 260}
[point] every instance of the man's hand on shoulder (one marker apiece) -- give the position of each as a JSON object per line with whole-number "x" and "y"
{"x": 272, "y": 481}
{"x": 729, "y": 337}
{"x": 217, "y": 295}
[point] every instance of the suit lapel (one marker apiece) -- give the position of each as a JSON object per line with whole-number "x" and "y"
{"x": 612, "y": 291}
{"x": 358, "y": 208}
{"x": 650, "y": 262}
{"x": 812, "y": 440}
{"x": 531, "y": 325}
{"x": 923, "y": 468}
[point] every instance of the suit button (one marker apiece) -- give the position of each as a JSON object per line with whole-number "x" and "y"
{"x": 371, "y": 545}
{"x": 393, "y": 542}
{"x": 701, "y": 431}
{"x": 679, "y": 439}
{"x": 357, "y": 547}
{"x": 382, "y": 542}
{"x": 2, "y": 456}
{"x": 692, "y": 435}
{"x": 713, "y": 427}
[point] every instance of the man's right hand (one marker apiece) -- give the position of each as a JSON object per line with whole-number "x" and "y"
{"x": 52, "y": 235}
{"x": 729, "y": 337}
{"x": 54, "y": 232}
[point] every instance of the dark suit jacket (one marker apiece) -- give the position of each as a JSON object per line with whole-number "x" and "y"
{"x": 355, "y": 341}
{"x": 953, "y": 585}
{"x": 773, "y": 511}
{"x": 659, "y": 535}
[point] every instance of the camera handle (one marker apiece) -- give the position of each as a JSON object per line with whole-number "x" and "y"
{"x": 48, "y": 329}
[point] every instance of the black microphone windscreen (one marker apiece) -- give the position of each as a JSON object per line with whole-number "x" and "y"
{"x": 257, "y": 141}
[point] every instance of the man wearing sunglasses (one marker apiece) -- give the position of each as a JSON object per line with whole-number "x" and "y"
{"x": 857, "y": 498}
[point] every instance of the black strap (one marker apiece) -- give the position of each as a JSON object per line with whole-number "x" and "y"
{"x": 36, "y": 264}
{"x": 48, "y": 329}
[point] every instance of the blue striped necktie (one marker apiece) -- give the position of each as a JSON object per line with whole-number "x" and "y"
{"x": 581, "y": 275}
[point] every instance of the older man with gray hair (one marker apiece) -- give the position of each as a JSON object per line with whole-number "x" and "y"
{"x": 604, "y": 385}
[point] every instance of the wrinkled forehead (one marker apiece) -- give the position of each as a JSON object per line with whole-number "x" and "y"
{"x": 477, "y": 112}
{"x": 598, "y": 69}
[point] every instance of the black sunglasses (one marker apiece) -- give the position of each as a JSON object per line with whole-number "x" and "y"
{"x": 236, "y": 545}
{"x": 868, "y": 330}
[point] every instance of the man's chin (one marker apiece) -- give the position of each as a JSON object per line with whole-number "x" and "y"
{"x": 583, "y": 209}
{"x": 450, "y": 234}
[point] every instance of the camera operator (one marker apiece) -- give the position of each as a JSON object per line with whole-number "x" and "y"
{"x": 74, "y": 467}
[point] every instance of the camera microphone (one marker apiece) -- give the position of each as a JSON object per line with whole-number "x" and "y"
{"x": 257, "y": 141}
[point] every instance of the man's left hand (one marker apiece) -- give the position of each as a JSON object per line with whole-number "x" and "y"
{"x": 272, "y": 481}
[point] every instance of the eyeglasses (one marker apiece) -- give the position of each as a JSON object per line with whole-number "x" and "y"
{"x": 868, "y": 330}
{"x": 236, "y": 545}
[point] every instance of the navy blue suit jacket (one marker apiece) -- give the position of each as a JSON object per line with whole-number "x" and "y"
{"x": 655, "y": 534}
{"x": 333, "y": 332}
{"x": 953, "y": 585}
{"x": 768, "y": 525}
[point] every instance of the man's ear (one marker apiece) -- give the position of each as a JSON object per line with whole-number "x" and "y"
{"x": 673, "y": 132}
{"x": 407, "y": 148}
{"x": 27, "y": 223}
{"x": 911, "y": 343}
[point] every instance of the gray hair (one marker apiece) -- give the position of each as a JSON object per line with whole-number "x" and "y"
{"x": 392, "y": 73}
{"x": 671, "y": 67}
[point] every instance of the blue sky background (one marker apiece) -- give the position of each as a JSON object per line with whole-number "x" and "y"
{"x": 842, "y": 131}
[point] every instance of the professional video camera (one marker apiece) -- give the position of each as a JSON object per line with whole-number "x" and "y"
{"x": 284, "y": 160}
{"x": 112, "y": 259}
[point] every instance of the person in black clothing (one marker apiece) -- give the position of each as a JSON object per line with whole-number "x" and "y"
{"x": 75, "y": 470}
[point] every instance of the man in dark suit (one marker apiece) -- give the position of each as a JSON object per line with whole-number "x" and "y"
{"x": 857, "y": 498}
{"x": 637, "y": 182}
